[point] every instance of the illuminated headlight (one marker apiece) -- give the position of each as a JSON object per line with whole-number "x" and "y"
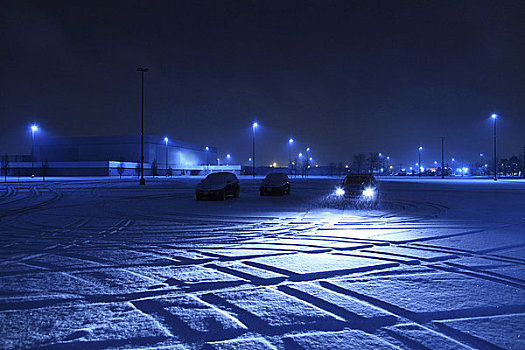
{"x": 369, "y": 192}
{"x": 339, "y": 191}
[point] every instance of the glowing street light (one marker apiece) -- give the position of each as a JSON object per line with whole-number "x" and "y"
{"x": 419, "y": 159}
{"x": 166, "y": 142}
{"x": 254, "y": 126}
{"x": 34, "y": 128}
{"x": 290, "y": 143}
{"x": 142, "y": 181}
{"x": 228, "y": 157}
{"x": 207, "y": 150}
{"x": 308, "y": 159}
{"x": 495, "y": 117}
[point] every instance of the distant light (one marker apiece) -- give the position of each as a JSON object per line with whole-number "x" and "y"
{"x": 494, "y": 116}
{"x": 346, "y": 166}
{"x": 410, "y": 168}
{"x": 300, "y": 155}
{"x": 166, "y": 140}
{"x": 250, "y": 159}
{"x": 311, "y": 159}
{"x": 307, "y": 149}
{"x": 228, "y": 156}
{"x": 481, "y": 154}
{"x": 290, "y": 141}
{"x": 486, "y": 165}
{"x": 453, "y": 159}
{"x": 274, "y": 164}
{"x": 317, "y": 165}
{"x": 207, "y": 148}
{"x": 339, "y": 191}
{"x": 391, "y": 167}
{"x": 420, "y": 148}
{"x": 421, "y": 168}
{"x": 34, "y": 128}
{"x": 382, "y": 169}
{"x": 369, "y": 192}
{"x": 388, "y": 158}
{"x": 380, "y": 154}
{"x": 255, "y": 124}
{"x": 435, "y": 162}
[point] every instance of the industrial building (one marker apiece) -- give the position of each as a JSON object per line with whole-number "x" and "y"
{"x": 105, "y": 156}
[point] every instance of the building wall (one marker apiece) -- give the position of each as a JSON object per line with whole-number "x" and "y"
{"x": 123, "y": 148}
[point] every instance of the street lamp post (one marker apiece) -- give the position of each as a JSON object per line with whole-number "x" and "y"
{"x": 307, "y": 160}
{"x": 166, "y": 142}
{"x": 419, "y": 159}
{"x": 481, "y": 163}
{"x": 228, "y": 157}
{"x": 254, "y": 126}
{"x": 495, "y": 117}
{"x": 442, "y": 157}
{"x": 300, "y": 157}
{"x": 207, "y": 161}
{"x": 34, "y": 128}
{"x": 142, "y": 181}
{"x": 290, "y": 143}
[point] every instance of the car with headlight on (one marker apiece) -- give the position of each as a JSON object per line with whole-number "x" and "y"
{"x": 275, "y": 183}
{"x": 359, "y": 187}
{"x": 218, "y": 185}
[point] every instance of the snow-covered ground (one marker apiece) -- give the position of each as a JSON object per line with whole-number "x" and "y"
{"x": 103, "y": 263}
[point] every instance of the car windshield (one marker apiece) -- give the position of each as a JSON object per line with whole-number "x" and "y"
{"x": 358, "y": 179}
{"x": 275, "y": 177}
{"x": 216, "y": 178}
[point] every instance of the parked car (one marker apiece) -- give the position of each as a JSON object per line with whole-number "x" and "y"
{"x": 275, "y": 183}
{"x": 218, "y": 185}
{"x": 362, "y": 187}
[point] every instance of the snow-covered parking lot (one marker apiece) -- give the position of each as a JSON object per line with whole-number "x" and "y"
{"x": 103, "y": 263}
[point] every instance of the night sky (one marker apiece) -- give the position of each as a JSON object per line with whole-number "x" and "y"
{"x": 341, "y": 77}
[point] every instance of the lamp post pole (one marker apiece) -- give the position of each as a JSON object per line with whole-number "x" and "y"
{"x": 442, "y": 157}
{"x": 166, "y": 141}
{"x": 494, "y": 117}
{"x": 254, "y": 126}
{"x": 142, "y": 181}
{"x": 207, "y": 161}
{"x": 290, "y": 142}
{"x": 419, "y": 160}
{"x": 307, "y": 160}
{"x": 33, "y": 129}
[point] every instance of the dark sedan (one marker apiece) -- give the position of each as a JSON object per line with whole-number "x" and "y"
{"x": 218, "y": 185}
{"x": 275, "y": 183}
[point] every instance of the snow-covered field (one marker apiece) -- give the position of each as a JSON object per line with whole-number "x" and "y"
{"x": 103, "y": 263}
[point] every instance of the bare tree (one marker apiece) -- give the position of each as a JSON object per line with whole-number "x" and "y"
{"x": 359, "y": 161}
{"x": 373, "y": 161}
{"x": 120, "y": 169}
